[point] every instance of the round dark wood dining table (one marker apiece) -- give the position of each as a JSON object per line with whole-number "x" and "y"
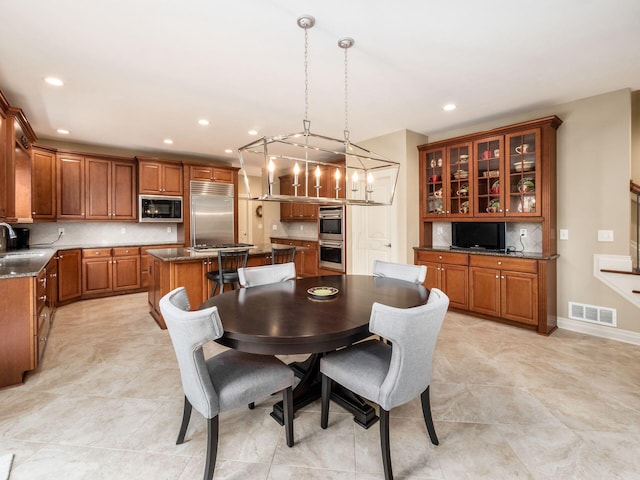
{"x": 283, "y": 319}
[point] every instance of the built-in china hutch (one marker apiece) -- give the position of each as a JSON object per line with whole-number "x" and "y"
{"x": 507, "y": 174}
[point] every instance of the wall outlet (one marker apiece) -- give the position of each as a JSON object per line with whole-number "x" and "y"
{"x": 168, "y": 229}
{"x": 564, "y": 234}
{"x": 439, "y": 230}
{"x": 301, "y": 228}
{"x": 60, "y": 231}
{"x": 605, "y": 235}
{"x": 523, "y": 232}
{"x": 274, "y": 227}
{"x": 123, "y": 230}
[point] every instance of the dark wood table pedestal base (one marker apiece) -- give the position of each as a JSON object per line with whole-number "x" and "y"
{"x": 309, "y": 389}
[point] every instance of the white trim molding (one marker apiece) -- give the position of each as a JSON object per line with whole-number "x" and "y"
{"x": 610, "y": 333}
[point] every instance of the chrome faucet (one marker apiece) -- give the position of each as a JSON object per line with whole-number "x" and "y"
{"x": 12, "y": 234}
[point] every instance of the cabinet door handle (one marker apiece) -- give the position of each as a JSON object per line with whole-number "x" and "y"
{"x": 497, "y": 276}
{"x": 387, "y": 245}
{"x": 502, "y": 276}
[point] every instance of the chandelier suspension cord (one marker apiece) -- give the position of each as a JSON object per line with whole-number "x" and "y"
{"x": 306, "y": 124}
{"x": 346, "y": 95}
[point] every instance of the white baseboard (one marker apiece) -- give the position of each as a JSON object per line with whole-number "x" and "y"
{"x": 610, "y": 333}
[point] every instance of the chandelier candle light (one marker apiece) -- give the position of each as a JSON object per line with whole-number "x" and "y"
{"x": 317, "y": 156}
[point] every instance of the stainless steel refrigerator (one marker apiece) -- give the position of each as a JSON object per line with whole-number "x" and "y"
{"x": 211, "y": 213}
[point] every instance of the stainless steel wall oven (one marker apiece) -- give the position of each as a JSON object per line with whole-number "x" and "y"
{"x": 331, "y": 232}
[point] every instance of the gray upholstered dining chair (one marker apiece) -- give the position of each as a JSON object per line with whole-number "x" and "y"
{"x": 390, "y": 375}
{"x": 401, "y": 271}
{"x": 283, "y": 255}
{"x": 262, "y": 275}
{"x": 224, "y": 381}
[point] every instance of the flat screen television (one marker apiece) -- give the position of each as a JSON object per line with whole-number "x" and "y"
{"x": 479, "y": 235}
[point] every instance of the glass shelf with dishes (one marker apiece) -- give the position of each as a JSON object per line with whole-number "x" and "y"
{"x": 460, "y": 187}
{"x": 488, "y": 177}
{"x": 523, "y": 175}
{"x": 434, "y": 173}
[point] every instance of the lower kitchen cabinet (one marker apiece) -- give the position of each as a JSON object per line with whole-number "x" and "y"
{"x": 69, "y": 274}
{"x": 449, "y": 273}
{"x": 520, "y": 291}
{"x": 107, "y": 270}
{"x": 306, "y": 260}
{"x": 504, "y": 287}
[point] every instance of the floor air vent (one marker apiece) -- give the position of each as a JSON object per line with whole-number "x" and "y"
{"x": 593, "y": 314}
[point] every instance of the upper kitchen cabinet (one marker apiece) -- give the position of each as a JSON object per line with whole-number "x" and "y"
{"x": 15, "y": 163}
{"x": 43, "y": 183}
{"x": 447, "y": 181}
{"x": 96, "y": 188}
{"x": 159, "y": 178}
{"x": 210, "y": 173}
{"x": 507, "y": 173}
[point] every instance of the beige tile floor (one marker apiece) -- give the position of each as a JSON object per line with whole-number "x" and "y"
{"x": 508, "y": 403}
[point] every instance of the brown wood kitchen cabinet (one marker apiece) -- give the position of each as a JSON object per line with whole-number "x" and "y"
{"x": 448, "y": 272}
{"x": 504, "y": 287}
{"x": 295, "y": 212}
{"x": 211, "y": 174}
{"x": 306, "y": 260}
{"x": 107, "y": 270}
{"x": 69, "y": 275}
{"x": 16, "y": 137}
{"x": 157, "y": 177}
{"x": 43, "y": 183}
{"x": 95, "y": 188}
{"x": 505, "y": 174}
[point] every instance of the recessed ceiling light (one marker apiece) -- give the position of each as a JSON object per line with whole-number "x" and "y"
{"x": 449, "y": 107}
{"x": 253, "y": 132}
{"x": 203, "y": 121}
{"x": 228, "y": 150}
{"x": 168, "y": 141}
{"x": 63, "y": 131}
{"x": 56, "y": 82}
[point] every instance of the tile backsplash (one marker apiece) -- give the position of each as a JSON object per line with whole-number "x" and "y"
{"x": 101, "y": 233}
{"x": 531, "y": 243}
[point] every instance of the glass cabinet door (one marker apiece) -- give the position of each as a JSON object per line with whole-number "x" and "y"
{"x": 434, "y": 178}
{"x": 459, "y": 192}
{"x": 488, "y": 177}
{"x": 523, "y": 175}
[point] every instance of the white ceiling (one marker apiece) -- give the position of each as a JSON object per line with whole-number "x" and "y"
{"x": 139, "y": 71}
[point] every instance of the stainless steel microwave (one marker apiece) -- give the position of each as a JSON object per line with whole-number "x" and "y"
{"x": 160, "y": 208}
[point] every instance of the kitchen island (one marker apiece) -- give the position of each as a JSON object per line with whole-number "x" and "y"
{"x": 170, "y": 268}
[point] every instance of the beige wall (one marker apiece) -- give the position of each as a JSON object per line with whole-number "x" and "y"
{"x": 401, "y": 147}
{"x": 594, "y": 164}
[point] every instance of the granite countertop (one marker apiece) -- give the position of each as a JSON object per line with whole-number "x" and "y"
{"x": 298, "y": 239}
{"x": 24, "y": 263}
{"x": 29, "y": 262}
{"x": 177, "y": 254}
{"x": 530, "y": 255}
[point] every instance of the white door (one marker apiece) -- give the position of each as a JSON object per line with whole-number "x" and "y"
{"x": 244, "y": 222}
{"x": 372, "y": 229}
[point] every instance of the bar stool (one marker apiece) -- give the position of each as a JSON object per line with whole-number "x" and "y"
{"x": 283, "y": 255}
{"x": 228, "y": 264}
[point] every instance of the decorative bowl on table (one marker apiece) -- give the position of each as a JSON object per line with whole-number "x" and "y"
{"x": 322, "y": 293}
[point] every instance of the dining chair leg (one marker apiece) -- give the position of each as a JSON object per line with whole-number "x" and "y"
{"x": 287, "y": 402}
{"x": 384, "y": 444}
{"x": 326, "y": 395}
{"x": 213, "y": 290}
{"x": 186, "y": 415}
{"x": 212, "y": 447}
{"x": 426, "y": 413}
